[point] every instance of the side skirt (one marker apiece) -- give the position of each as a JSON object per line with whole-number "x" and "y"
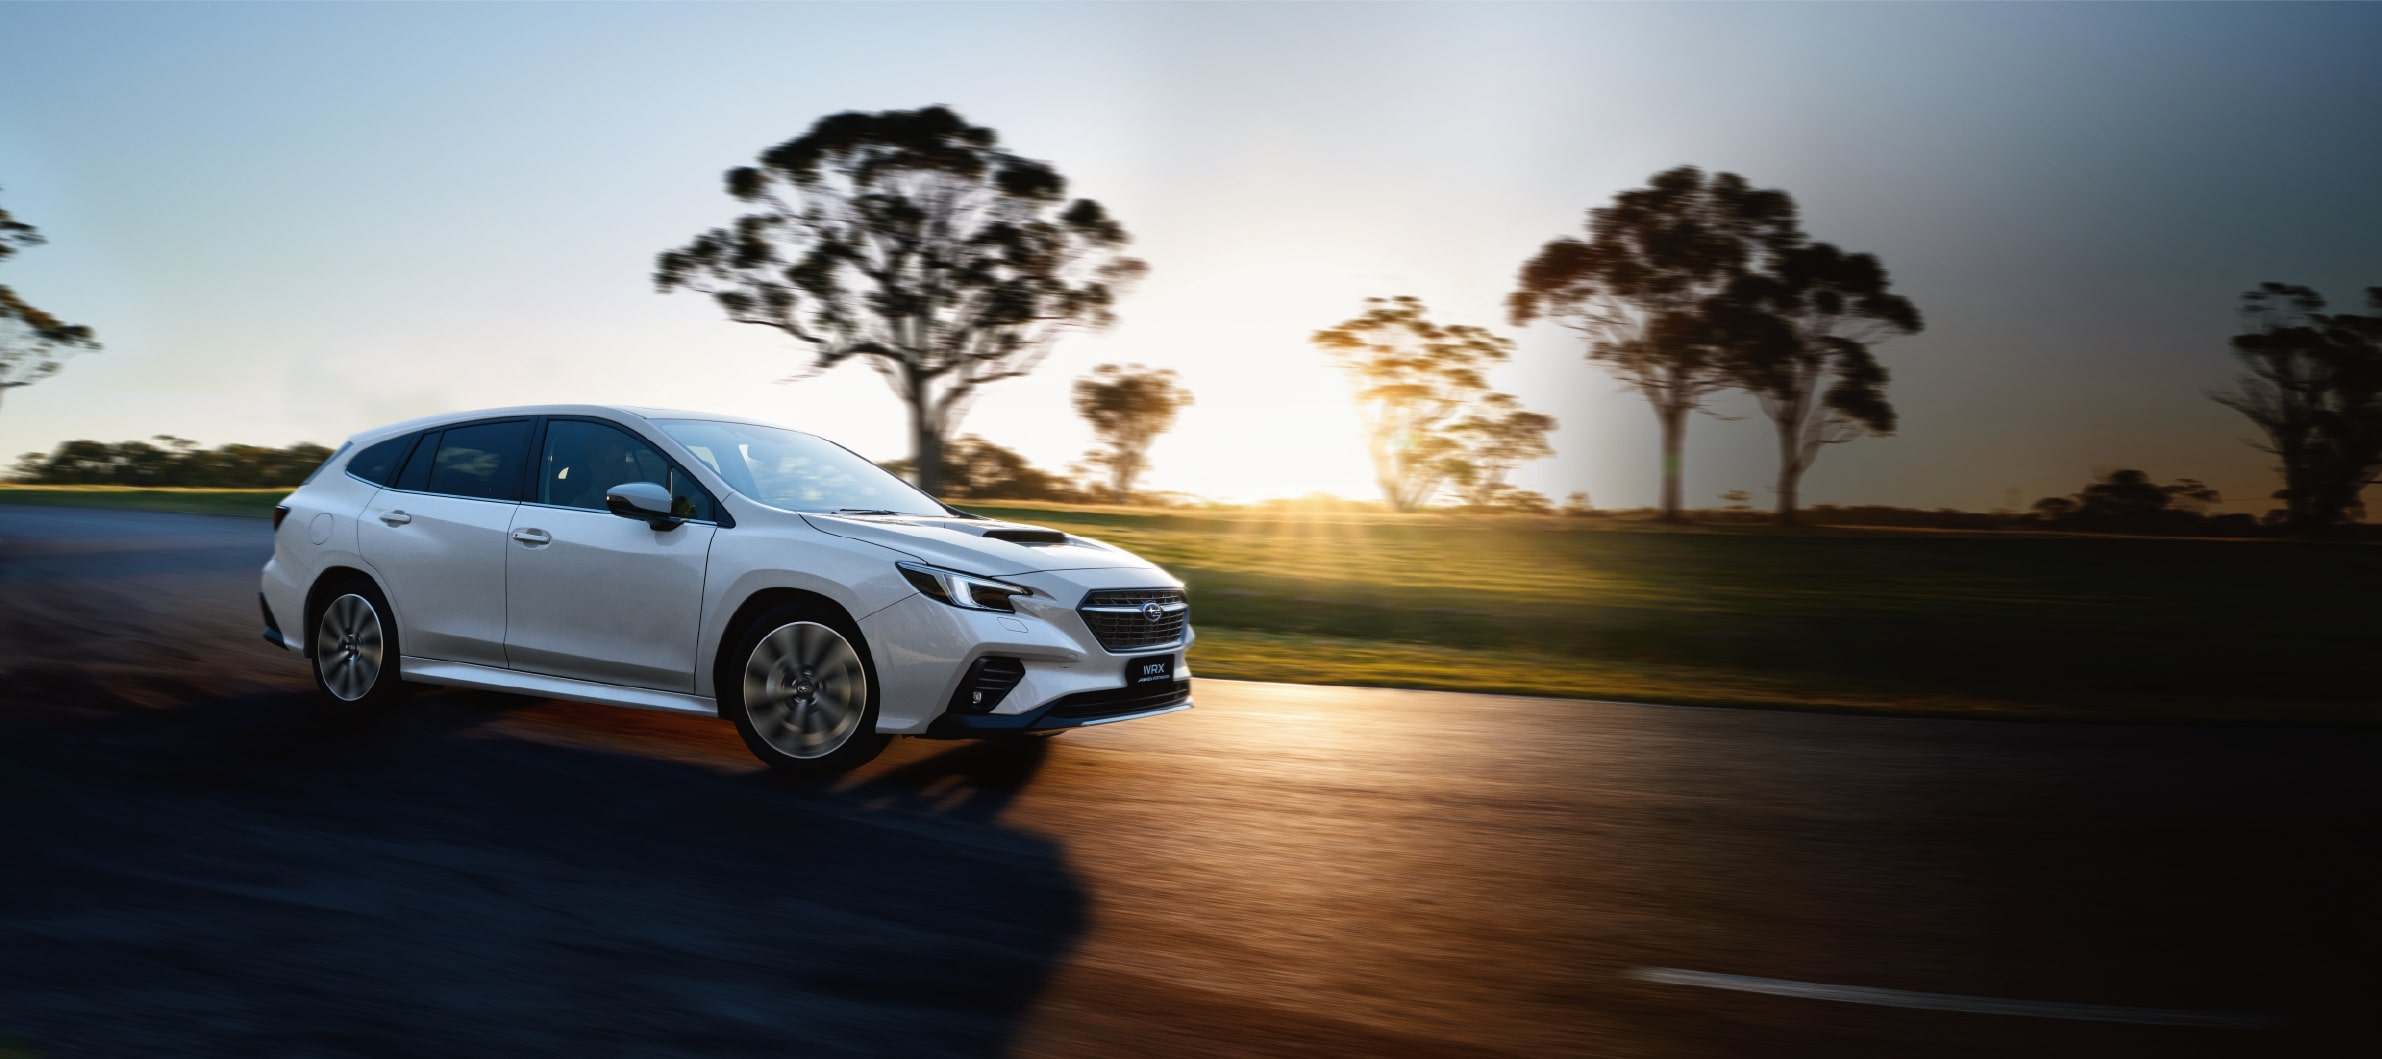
{"x": 489, "y": 678}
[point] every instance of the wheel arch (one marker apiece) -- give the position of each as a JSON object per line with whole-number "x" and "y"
{"x": 317, "y": 596}
{"x": 759, "y": 603}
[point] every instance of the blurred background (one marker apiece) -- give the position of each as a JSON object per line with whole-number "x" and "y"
{"x": 1488, "y": 371}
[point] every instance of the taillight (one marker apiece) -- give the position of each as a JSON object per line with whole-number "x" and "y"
{"x": 280, "y": 511}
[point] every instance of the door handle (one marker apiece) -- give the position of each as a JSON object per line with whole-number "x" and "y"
{"x": 532, "y": 537}
{"x": 395, "y": 518}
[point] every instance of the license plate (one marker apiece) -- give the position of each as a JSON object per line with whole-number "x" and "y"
{"x": 1149, "y": 670}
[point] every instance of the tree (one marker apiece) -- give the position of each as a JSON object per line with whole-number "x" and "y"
{"x": 175, "y": 463}
{"x": 2127, "y": 501}
{"x": 1498, "y": 436}
{"x": 1641, "y": 289}
{"x": 1799, "y": 337}
{"x": 912, "y": 240}
{"x": 2313, "y": 386}
{"x": 1412, "y": 380}
{"x": 1128, "y": 408}
{"x": 976, "y": 469}
{"x": 34, "y": 344}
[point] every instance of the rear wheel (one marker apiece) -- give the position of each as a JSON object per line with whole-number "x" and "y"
{"x": 354, "y": 646}
{"x": 801, "y": 693}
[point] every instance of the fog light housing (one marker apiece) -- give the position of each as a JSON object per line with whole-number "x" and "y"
{"x": 988, "y": 681}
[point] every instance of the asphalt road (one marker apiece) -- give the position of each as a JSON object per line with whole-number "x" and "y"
{"x": 197, "y": 858}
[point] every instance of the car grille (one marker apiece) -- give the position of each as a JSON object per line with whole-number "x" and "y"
{"x": 1119, "y": 617}
{"x": 1117, "y": 702}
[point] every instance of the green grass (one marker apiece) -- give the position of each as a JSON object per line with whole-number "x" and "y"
{"x": 256, "y": 503}
{"x": 1969, "y": 624}
{"x": 1942, "y": 623}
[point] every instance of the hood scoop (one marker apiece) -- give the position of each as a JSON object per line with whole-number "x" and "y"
{"x": 1026, "y": 535}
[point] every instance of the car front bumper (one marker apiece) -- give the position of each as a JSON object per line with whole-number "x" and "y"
{"x": 1080, "y": 710}
{"x": 924, "y": 651}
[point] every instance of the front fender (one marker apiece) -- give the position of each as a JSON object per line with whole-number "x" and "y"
{"x": 858, "y": 576}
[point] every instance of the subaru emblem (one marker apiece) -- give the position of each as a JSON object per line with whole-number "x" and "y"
{"x": 1153, "y": 611}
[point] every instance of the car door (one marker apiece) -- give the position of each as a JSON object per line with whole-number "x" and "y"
{"x": 591, "y": 595}
{"x": 437, "y": 536}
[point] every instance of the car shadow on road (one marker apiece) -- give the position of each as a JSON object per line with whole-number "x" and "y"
{"x": 250, "y": 875}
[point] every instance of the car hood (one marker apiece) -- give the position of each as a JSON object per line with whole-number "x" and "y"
{"x": 979, "y": 545}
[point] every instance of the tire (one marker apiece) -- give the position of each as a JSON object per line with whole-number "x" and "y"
{"x": 352, "y": 642}
{"x": 803, "y": 692}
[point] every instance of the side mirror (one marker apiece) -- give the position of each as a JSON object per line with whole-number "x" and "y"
{"x": 644, "y": 501}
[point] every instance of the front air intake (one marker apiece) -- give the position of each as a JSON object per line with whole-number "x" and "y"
{"x": 990, "y": 679}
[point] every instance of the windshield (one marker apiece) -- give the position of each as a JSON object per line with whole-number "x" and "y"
{"x": 796, "y": 471}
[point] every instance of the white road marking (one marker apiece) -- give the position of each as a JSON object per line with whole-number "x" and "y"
{"x": 1981, "y": 1005}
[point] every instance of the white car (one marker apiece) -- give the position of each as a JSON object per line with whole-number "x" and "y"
{"x": 713, "y": 565}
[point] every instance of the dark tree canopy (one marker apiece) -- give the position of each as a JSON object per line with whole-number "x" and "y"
{"x": 976, "y": 469}
{"x": 1642, "y": 287}
{"x": 910, "y": 239}
{"x": 2128, "y": 501}
{"x": 34, "y": 344}
{"x": 1800, "y": 337}
{"x": 1423, "y": 393}
{"x": 2313, "y": 386}
{"x": 1128, "y": 407}
{"x": 170, "y": 462}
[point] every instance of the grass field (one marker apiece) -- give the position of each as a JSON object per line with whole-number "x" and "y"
{"x": 1959, "y": 624}
{"x": 257, "y": 503}
{"x": 1977, "y": 624}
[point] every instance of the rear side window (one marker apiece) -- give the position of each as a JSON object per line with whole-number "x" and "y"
{"x": 378, "y": 463}
{"x": 482, "y": 461}
{"x": 416, "y": 475}
{"x": 327, "y": 461}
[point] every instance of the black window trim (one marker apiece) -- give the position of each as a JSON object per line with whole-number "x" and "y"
{"x": 537, "y": 457}
{"x": 537, "y": 435}
{"x": 395, "y": 469}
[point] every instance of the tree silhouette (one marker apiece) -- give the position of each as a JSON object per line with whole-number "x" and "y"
{"x": 172, "y": 462}
{"x": 1643, "y": 287}
{"x": 1128, "y": 408}
{"x": 1498, "y": 436}
{"x": 2127, "y": 501}
{"x": 912, "y": 240}
{"x": 1412, "y": 379}
{"x": 1799, "y": 338}
{"x": 976, "y": 469}
{"x": 33, "y": 344}
{"x": 2314, "y": 388}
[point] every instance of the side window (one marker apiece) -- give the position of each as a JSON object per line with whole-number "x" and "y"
{"x": 416, "y": 475}
{"x": 327, "y": 461}
{"x": 585, "y": 460}
{"x": 378, "y": 463}
{"x": 482, "y": 461}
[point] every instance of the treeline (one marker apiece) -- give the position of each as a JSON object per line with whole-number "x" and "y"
{"x": 170, "y": 462}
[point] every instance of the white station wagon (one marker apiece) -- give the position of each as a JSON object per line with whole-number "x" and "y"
{"x": 708, "y": 564}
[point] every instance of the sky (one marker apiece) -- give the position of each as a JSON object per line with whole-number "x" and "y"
{"x": 292, "y": 222}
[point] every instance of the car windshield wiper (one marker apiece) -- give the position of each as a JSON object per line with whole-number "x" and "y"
{"x": 862, "y": 511}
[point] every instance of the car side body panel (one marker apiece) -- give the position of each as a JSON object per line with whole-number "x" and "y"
{"x": 596, "y": 597}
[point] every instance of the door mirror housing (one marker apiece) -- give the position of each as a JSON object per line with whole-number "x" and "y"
{"x": 643, "y": 501}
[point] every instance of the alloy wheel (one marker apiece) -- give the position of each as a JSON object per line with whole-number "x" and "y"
{"x": 347, "y": 647}
{"x": 805, "y": 689}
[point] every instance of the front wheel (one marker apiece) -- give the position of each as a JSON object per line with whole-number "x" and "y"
{"x": 354, "y": 647}
{"x": 801, "y": 693}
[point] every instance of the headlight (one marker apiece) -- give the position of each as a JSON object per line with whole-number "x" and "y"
{"x": 965, "y": 591}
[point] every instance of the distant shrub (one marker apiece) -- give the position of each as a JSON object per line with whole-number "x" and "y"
{"x": 173, "y": 463}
